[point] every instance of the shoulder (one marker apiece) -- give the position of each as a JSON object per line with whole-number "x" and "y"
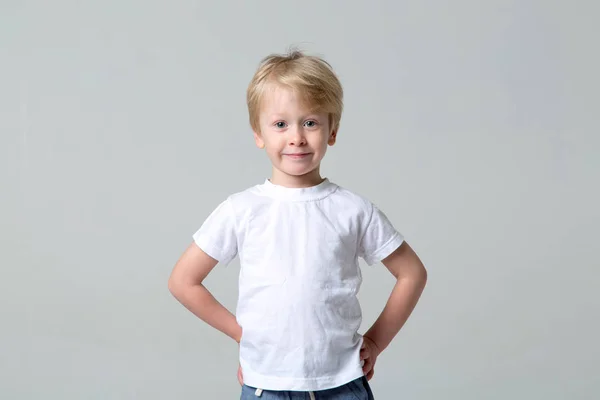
{"x": 246, "y": 202}
{"x": 250, "y": 195}
{"x": 352, "y": 199}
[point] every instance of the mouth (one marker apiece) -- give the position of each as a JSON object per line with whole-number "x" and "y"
{"x": 296, "y": 156}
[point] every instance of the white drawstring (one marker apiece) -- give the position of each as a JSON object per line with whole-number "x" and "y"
{"x": 258, "y": 393}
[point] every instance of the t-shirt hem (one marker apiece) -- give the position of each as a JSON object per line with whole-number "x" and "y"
{"x": 213, "y": 251}
{"x": 386, "y": 249}
{"x": 259, "y": 381}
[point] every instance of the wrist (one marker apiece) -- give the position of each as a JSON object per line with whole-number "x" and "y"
{"x": 373, "y": 342}
{"x": 238, "y": 336}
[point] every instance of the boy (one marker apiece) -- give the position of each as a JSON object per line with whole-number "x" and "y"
{"x": 299, "y": 237}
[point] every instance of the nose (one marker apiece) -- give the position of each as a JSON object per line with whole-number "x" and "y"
{"x": 296, "y": 137}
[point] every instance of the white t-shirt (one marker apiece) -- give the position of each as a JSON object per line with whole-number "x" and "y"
{"x": 299, "y": 278}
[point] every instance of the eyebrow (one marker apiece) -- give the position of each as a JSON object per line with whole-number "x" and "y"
{"x": 282, "y": 116}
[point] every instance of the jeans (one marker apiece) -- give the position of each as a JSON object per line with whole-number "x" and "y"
{"x": 358, "y": 389}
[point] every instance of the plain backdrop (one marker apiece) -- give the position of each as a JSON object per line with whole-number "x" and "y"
{"x": 472, "y": 124}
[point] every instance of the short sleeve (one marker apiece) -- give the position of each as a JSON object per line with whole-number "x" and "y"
{"x": 379, "y": 238}
{"x": 217, "y": 236}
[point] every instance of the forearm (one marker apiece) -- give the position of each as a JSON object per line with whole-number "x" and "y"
{"x": 202, "y": 303}
{"x": 400, "y": 305}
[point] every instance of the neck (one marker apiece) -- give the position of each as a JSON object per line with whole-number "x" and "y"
{"x": 280, "y": 178}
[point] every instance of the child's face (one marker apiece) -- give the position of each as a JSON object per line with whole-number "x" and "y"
{"x": 294, "y": 138}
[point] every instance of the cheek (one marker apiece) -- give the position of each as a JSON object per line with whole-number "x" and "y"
{"x": 270, "y": 139}
{"x": 321, "y": 143}
{"x": 274, "y": 145}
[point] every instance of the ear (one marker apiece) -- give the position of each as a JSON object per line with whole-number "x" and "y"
{"x": 332, "y": 137}
{"x": 260, "y": 143}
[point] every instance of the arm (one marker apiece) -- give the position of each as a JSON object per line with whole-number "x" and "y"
{"x": 186, "y": 286}
{"x": 411, "y": 277}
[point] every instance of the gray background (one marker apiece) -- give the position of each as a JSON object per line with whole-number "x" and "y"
{"x": 472, "y": 124}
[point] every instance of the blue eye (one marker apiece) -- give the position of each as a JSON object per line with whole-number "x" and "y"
{"x": 311, "y": 123}
{"x": 280, "y": 124}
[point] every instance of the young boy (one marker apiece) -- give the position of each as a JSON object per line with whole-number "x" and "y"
{"x": 299, "y": 237}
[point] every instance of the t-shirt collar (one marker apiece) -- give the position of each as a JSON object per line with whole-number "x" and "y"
{"x": 316, "y": 192}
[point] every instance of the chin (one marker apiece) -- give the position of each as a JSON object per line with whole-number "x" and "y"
{"x": 296, "y": 172}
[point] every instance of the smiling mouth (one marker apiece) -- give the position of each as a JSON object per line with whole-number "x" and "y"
{"x": 297, "y": 155}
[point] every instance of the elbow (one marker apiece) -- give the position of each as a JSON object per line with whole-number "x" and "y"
{"x": 180, "y": 286}
{"x": 417, "y": 275}
{"x": 421, "y": 276}
{"x": 174, "y": 286}
{"x": 424, "y": 276}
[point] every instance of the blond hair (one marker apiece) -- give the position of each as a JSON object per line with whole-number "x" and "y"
{"x": 309, "y": 76}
